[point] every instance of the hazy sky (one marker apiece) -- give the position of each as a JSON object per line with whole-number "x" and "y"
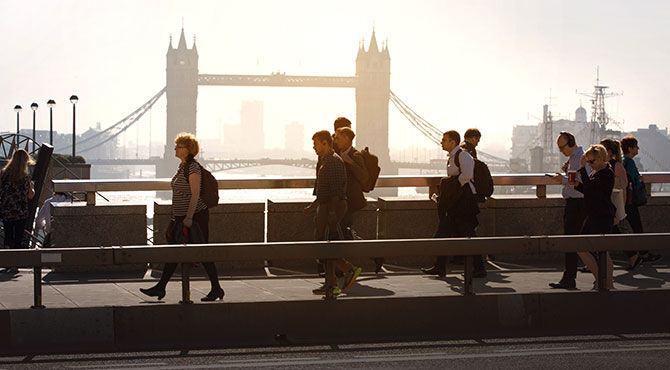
{"x": 489, "y": 64}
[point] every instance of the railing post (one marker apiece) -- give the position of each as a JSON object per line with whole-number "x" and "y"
{"x": 602, "y": 272}
{"x": 329, "y": 268}
{"x": 467, "y": 276}
{"x": 90, "y": 198}
{"x": 37, "y": 288}
{"x": 541, "y": 191}
{"x": 185, "y": 287}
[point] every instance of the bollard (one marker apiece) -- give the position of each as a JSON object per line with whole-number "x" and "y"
{"x": 602, "y": 272}
{"x": 467, "y": 276}
{"x": 185, "y": 288}
{"x": 37, "y": 288}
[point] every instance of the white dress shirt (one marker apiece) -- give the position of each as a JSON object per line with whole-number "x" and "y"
{"x": 467, "y": 167}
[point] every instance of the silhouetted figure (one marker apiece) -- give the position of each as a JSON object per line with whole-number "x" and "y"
{"x": 189, "y": 210}
{"x": 330, "y": 206}
{"x": 600, "y": 211}
{"x": 574, "y": 212}
{"x": 630, "y": 148}
{"x": 16, "y": 189}
{"x": 457, "y": 206}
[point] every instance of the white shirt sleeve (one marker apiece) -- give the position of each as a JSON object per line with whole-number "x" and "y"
{"x": 467, "y": 167}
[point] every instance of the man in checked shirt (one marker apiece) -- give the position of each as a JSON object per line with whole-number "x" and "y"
{"x": 330, "y": 205}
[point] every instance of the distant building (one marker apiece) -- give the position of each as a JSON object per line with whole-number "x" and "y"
{"x": 247, "y": 138}
{"x": 654, "y": 154}
{"x": 527, "y": 137}
{"x": 294, "y": 139}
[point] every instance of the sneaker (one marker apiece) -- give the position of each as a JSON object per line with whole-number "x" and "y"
{"x": 351, "y": 277}
{"x": 323, "y": 289}
{"x": 320, "y": 290}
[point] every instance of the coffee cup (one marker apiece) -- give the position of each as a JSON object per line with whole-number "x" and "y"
{"x": 572, "y": 175}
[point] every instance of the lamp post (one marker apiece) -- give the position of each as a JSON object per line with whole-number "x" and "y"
{"x": 34, "y": 107}
{"x": 51, "y": 103}
{"x": 17, "y": 109}
{"x": 74, "y": 99}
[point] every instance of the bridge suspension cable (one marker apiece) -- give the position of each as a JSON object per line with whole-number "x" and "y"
{"x": 433, "y": 133}
{"x": 116, "y": 129}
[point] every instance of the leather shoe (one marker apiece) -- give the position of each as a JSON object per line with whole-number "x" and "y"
{"x": 434, "y": 271}
{"x": 154, "y": 291}
{"x": 563, "y": 284}
{"x": 213, "y": 295}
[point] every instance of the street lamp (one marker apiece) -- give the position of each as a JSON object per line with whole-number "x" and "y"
{"x": 74, "y": 99}
{"x": 17, "y": 109}
{"x": 34, "y": 107}
{"x": 51, "y": 103}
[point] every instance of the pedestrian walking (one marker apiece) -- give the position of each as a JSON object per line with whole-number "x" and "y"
{"x": 634, "y": 200}
{"x": 330, "y": 206}
{"x": 600, "y": 211}
{"x": 457, "y": 206}
{"x": 189, "y": 213}
{"x": 574, "y": 212}
{"x": 16, "y": 189}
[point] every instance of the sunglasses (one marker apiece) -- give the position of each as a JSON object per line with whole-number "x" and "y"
{"x": 591, "y": 161}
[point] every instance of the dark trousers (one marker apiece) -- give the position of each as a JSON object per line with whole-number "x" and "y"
{"x": 347, "y": 223}
{"x": 202, "y": 220}
{"x": 574, "y": 216}
{"x": 633, "y": 218}
{"x": 14, "y": 233}
{"x": 457, "y": 227}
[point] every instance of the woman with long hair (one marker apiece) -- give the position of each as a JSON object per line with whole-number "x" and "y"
{"x": 620, "y": 180}
{"x": 189, "y": 210}
{"x": 16, "y": 189}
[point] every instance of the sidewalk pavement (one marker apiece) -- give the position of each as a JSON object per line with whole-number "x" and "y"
{"x": 69, "y": 290}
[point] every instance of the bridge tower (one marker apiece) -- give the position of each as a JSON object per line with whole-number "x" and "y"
{"x": 182, "y": 94}
{"x": 373, "y": 71}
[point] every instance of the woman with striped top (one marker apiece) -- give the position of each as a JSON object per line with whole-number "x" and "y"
{"x": 188, "y": 208}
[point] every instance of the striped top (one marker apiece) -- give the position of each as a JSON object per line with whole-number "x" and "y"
{"x": 181, "y": 190}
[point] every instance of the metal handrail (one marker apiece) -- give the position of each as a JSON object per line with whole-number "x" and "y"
{"x": 308, "y": 182}
{"x": 540, "y": 181}
{"x": 328, "y": 250}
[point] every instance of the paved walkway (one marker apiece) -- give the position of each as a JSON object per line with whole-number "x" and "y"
{"x": 122, "y": 289}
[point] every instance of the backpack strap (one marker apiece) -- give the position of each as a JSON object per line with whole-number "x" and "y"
{"x": 457, "y": 161}
{"x": 187, "y": 165}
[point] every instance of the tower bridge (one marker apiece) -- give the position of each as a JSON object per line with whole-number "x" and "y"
{"x": 372, "y": 96}
{"x": 371, "y": 82}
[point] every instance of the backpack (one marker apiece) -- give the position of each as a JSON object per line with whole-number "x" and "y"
{"x": 209, "y": 187}
{"x": 372, "y": 165}
{"x": 481, "y": 179}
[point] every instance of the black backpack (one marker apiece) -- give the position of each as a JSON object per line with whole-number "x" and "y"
{"x": 481, "y": 178}
{"x": 209, "y": 187}
{"x": 372, "y": 165}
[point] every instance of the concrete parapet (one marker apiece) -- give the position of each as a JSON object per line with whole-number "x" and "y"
{"x": 90, "y": 328}
{"x": 300, "y": 322}
{"x": 75, "y": 224}
{"x": 286, "y": 222}
{"x": 230, "y": 222}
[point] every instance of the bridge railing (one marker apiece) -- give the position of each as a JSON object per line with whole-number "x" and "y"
{"x": 327, "y": 250}
{"x": 539, "y": 181}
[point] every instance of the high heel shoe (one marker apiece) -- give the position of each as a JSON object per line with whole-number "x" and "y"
{"x": 154, "y": 291}
{"x": 213, "y": 295}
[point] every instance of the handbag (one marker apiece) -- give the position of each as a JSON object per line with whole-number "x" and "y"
{"x": 638, "y": 195}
